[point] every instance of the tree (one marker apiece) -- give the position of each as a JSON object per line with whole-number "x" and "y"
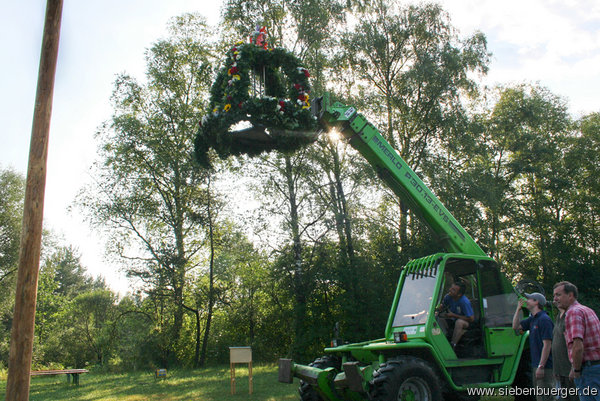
{"x": 521, "y": 172}
{"x": 583, "y": 157}
{"x": 340, "y": 179}
{"x": 93, "y": 315}
{"x": 415, "y": 70}
{"x": 582, "y": 230}
{"x": 12, "y": 193}
{"x": 291, "y": 202}
{"x": 68, "y": 273}
{"x": 134, "y": 347}
{"x": 149, "y": 193}
{"x": 303, "y": 28}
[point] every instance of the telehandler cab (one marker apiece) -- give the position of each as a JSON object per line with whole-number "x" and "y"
{"x": 415, "y": 360}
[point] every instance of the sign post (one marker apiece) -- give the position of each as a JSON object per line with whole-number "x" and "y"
{"x": 240, "y": 355}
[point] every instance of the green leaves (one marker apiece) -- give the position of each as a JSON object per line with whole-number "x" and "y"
{"x": 12, "y": 194}
{"x": 149, "y": 195}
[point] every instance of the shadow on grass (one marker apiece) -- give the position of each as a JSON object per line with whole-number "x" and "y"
{"x": 201, "y": 384}
{"x": 208, "y": 384}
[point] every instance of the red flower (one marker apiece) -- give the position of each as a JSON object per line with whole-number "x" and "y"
{"x": 306, "y": 74}
{"x": 240, "y": 105}
{"x": 229, "y": 98}
{"x": 298, "y": 87}
{"x": 233, "y": 70}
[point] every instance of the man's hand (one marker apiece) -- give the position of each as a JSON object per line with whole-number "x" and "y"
{"x": 574, "y": 375}
{"x": 539, "y": 373}
{"x": 521, "y": 303}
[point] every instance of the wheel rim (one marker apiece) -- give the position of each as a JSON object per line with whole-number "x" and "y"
{"x": 414, "y": 389}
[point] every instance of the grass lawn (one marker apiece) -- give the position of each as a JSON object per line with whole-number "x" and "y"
{"x": 208, "y": 384}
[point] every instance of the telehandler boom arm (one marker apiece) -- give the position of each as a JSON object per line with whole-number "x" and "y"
{"x": 369, "y": 142}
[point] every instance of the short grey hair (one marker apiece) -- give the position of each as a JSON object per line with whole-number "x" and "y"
{"x": 570, "y": 288}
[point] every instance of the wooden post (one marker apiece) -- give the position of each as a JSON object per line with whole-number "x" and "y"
{"x": 250, "y": 384}
{"x": 232, "y": 380}
{"x": 21, "y": 344}
{"x": 240, "y": 355}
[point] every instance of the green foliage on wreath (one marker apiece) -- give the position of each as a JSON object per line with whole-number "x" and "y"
{"x": 284, "y": 106}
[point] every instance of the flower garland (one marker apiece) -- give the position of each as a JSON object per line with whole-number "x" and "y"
{"x": 284, "y": 107}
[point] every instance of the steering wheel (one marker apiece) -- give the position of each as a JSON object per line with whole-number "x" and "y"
{"x": 441, "y": 309}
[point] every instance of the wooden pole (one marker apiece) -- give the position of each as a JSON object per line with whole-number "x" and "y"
{"x": 21, "y": 344}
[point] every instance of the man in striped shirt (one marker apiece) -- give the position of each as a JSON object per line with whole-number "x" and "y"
{"x": 582, "y": 335}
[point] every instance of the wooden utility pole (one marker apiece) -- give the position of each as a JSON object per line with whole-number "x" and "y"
{"x": 21, "y": 343}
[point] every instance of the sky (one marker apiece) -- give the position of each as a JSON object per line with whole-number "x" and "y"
{"x": 553, "y": 43}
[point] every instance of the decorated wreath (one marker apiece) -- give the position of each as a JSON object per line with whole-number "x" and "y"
{"x": 281, "y": 112}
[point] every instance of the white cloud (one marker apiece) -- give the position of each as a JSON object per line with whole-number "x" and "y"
{"x": 553, "y": 42}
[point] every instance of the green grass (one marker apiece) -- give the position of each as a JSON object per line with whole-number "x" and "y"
{"x": 209, "y": 384}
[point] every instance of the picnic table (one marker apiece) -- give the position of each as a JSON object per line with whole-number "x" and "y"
{"x": 69, "y": 372}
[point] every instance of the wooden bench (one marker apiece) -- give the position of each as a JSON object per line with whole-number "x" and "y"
{"x": 69, "y": 372}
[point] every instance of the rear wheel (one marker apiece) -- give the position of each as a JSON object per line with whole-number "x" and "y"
{"x": 405, "y": 379}
{"x": 307, "y": 392}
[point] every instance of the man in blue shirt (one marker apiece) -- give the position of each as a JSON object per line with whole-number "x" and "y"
{"x": 460, "y": 311}
{"x": 540, "y": 328}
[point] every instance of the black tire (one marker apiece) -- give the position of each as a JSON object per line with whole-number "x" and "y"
{"x": 524, "y": 377}
{"x": 406, "y": 376}
{"x": 306, "y": 391}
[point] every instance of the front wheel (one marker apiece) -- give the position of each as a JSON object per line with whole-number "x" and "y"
{"x": 405, "y": 379}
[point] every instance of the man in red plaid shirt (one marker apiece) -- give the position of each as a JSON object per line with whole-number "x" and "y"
{"x": 582, "y": 334}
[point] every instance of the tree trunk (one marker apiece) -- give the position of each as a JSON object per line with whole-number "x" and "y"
{"x": 403, "y": 225}
{"x": 252, "y": 322}
{"x": 354, "y": 306}
{"x": 542, "y": 231}
{"x": 390, "y": 120}
{"x": 211, "y": 279}
{"x": 196, "y": 313}
{"x": 343, "y": 206}
{"x": 177, "y": 317}
{"x": 298, "y": 273}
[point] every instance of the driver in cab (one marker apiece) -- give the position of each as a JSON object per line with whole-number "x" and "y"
{"x": 459, "y": 312}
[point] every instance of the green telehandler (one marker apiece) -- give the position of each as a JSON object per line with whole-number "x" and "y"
{"x": 415, "y": 360}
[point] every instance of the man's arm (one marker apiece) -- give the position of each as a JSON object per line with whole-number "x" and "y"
{"x": 539, "y": 373}
{"x": 574, "y": 332}
{"x": 577, "y": 354}
{"x": 461, "y": 317}
{"x": 516, "y": 323}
